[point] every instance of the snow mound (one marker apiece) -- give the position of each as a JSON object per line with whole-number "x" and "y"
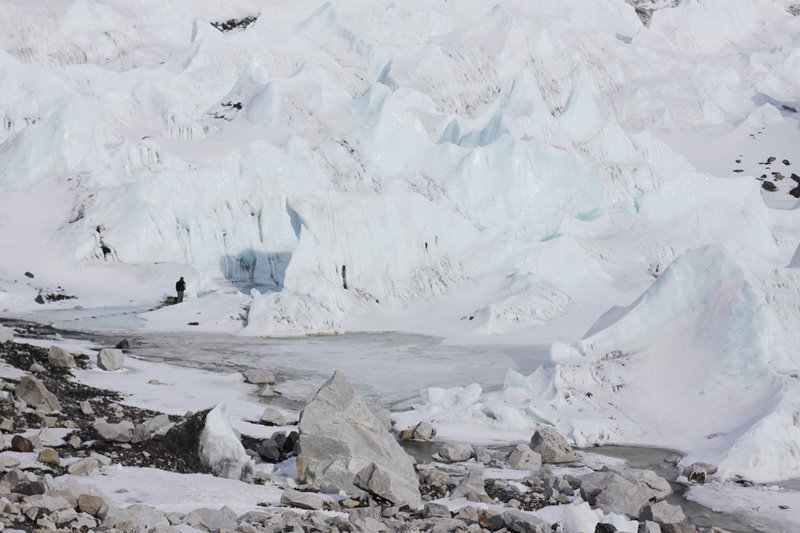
{"x": 220, "y": 448}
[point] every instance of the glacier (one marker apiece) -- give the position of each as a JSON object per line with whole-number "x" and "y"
{"x": 528, "y": 172}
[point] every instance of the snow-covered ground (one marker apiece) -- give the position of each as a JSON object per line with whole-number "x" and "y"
{"x": 514, "y": 173}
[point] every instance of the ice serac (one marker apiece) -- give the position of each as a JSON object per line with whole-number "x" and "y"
{"x": 221, "y": 450}
{"x": 340, "y": 438}
{"x": 699, "y": 336}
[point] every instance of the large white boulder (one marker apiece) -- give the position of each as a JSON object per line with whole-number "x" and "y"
{"x": 340, "y": 436}
{"x": 110, "y": 359}
{"x": 33, "y": 392}
{"x": 5, "y": 335}
{"x": 59, "y": 357}
{"x": 221, "y": 450}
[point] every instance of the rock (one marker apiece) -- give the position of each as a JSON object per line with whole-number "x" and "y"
{"x": 259, "y": 376}
{"x": 436, "y": 510}
{"x": 423, "y": 431}
{"x": 206, "y": 519}
{"x": 5, "y": 335}
{"x": 60, "y": 358}
{"x": 49, "y": 456}
{"x": 269, "y": 451}
{"x": 266, "y": 391}
{"x": 7, "y": 462}
{"x": 135, "y": 517}
{"x": 86, "y": 407}
{"x": 33, "y": 392}
{"x": 7, "y": 425}
{"x": 29, "y": 488}
{"x": 698, "y": 472}
{"x": 220, "y": 449}
{"x": 613, "y": 493}
{"x": 302, "y": 500}
{"x": 36, "y": 368}
{"x": 649, "y": 527}
{"x": 21, "y": 444}
{"x": 678, "y": 528}
{"x": 663, "y": 513}
{"x": 520, "y": 522}
{"x": 84, "y": 467}
{"x": 471, "y": 487}
{"x": 39, "y": 299}
{"x": 340, "y": 435}
{"x": 30, "y": 274}
{"x": 522, "y": 457}
{"x": 786, "y": 162}
{"x": 273, "y": 417}
{"x": 119, "y": 432}
{"x": 603, "y": 527}
{"x": 149, "y": 428}
{"x": 377, "y": 481}
{"x": 455, "y": 452}
{"x": 110, "y": 359}
{"x": 123, "y": 345}
{"x": 649, "y": 483}
{"x": 768, "y": 186}
{"x": 50, "y": 503}
{"x": 551, "y": 446}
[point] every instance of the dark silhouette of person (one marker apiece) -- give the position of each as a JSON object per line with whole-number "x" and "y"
{"x": 180, "y": 286}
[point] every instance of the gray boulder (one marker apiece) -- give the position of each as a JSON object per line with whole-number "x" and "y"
{"x": 59, "y": 357}
{"x": 259, "y": 376}
{"x": 436, "y": 510}
{"x": 33, "y": 392}
{"x": 698, "y": 472}
{"x": 135, "y": 517}
{"x": 110, "y": 359}
{"x": 663, "y": 513}
{"x": 649, "y": 527}
{"x": 522, "y": 457}
{"x": 613, "y": 493}
{"x": 83, "y": 467}
{"x": 650, "y": 483}
{"x": 553, "y": 447}
{"x": 520, "y": 522}
{"x": 119, "y": 432}
{"x": 5, "y": 335}
{"x": 377, "y": 481}
{"x": 302, "y": 500}
{"x": 92, "y": 504}
{"x": 471, "y": 487}
{"x": 273, "y": 417}
{"x": 423, "y": 431}
{"x": 455, "y": 452}
{"x": 340, "y": 436}
{"x": 206, "y": 519}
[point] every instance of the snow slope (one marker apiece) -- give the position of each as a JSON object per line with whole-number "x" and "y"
{"x": 507, "y": 169}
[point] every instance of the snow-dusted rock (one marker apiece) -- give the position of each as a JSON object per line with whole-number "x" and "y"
{"x": 273, "y": 417}
{"x": 116, "y": 432}
{"x": 83, "y": 467}
{"x": 613, "y": 493}
{"x": 221, "y": 450}
{"x": 259, "y": 376}
{"x": 5, "y": 335}
{"x": 302, "y": 500}
{"x": 267, "y": 391}
{"x": 36, "y": 368}
{"x": 522, "y": 457}
{"x": 649, "y": 483}
{"x": 552, "y": 447}
{"x": 662, "y": 513}
{"x": 377, "y": 481}
{"x": 92, "y": 504}
{"x": 698, "y": 472}
{"x": 136, "y": 517}
{"x": 110, "y": 359}
{"x": 454, "y": 452}
{"x": 59, "y": 357}
{"x": 33, "y": 392}
{"x": 471, "y": 487}
{"x": 423, "y": 431}
{"x": 206, "y": 519}
{"x": 340, "y": 435}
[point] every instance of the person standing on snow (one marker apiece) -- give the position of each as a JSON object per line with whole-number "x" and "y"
{"x": 180, "y": 286}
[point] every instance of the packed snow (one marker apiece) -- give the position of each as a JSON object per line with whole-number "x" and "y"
{"x": 528, "y": 173}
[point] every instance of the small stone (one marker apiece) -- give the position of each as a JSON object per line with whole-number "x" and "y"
{"x": 266, "y": 391}
{"x": 454, "y": 452}
{"x": 259, "y": 376}
{"x": 662, "y": 513}
{"x": 83, "y": 467}
{"x": 91, "y": 504}
{"x": 435, "y": 510}
{"x": 7, "y": 425}
{"x": 123, "y": 345}
{"x": 21, "y": 444}
{"x": 33, "y": 392}
{"x": 522, "y": 457}
{"x": 698, "y": 472}
{"x": 5, "y": 335}
{"x": 269, "y": 451}
{"x": 36, "y": 368}
{"x": 49, "y": 456}
{"x": 86, "y": 407}
{"x": 302, "y": 500}
{"x": 74, "y": 442}
{"x": 423, "y": 431}
{"x": 119, "y": 432}
{"x": 59, "y": 357}
{"x": 786, "y": 162}
{"x": 110, "y": 359}
{"x": 29, "y": 488}
{"x": 273, "y": 417}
